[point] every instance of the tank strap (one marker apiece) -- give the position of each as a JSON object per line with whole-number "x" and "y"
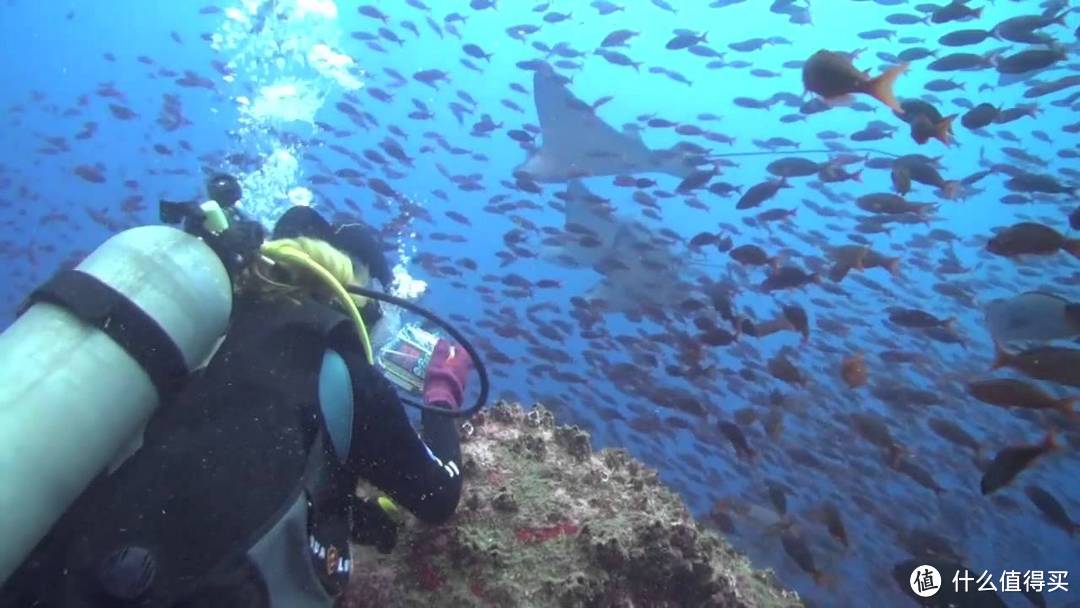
{"x": 98, "y": 304}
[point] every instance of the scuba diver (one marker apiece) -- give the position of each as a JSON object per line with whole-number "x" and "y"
{"x": 243, "y": 492}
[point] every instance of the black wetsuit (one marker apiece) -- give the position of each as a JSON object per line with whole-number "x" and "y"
{"x": 239, "y": 491}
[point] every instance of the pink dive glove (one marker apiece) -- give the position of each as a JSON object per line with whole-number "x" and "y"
{"x": 444, "y": 384}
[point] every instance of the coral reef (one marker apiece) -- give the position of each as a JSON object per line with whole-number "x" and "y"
{"x": 544, "y": 521}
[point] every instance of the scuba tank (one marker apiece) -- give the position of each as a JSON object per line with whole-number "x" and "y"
{"x": 96, "y": 349}
{"x": 92, "y": 355}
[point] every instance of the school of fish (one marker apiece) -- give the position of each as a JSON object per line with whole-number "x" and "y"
{"x": 920, "y": 372}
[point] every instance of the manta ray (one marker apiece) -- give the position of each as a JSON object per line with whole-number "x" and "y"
{"x": 639, "y": 266}
{"x": 576, "y": 143}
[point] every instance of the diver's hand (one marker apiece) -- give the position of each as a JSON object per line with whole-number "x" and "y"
{"x": 444, "y": 384}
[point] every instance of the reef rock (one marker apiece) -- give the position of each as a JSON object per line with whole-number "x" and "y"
{"x": 545, "y": 521}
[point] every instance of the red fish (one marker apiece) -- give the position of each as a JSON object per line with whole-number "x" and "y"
{"x": 1011, "y": 461}
{"x": 458, "y": 217}
{"x": 90, "y": 173}
{"x": 121, "y": 112}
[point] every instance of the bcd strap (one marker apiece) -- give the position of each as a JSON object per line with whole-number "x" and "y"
{"x": 98, "y": 304}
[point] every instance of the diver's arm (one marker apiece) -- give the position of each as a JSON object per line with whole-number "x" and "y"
{"x": 424, "y": 476}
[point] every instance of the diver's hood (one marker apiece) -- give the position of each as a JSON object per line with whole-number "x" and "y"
{"x": 358, "y": 240}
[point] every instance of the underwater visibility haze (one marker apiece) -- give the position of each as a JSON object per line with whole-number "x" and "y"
{"x": 817, "y": 262}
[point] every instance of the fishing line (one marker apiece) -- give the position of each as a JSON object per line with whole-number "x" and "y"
{"x": 822, "y": 151}
{"x": 705, "y": 264}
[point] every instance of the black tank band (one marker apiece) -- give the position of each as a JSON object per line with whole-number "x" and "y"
{"x": 101, "y": 306}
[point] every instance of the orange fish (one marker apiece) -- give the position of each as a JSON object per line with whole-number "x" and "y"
{"x": 831, "y": 75}
{"x": 853, "y": 371}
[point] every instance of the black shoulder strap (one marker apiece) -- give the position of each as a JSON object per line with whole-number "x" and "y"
{"x": 98, "y": 304}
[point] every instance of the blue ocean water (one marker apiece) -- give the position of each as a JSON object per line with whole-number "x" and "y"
{"x": 110, "y": 107}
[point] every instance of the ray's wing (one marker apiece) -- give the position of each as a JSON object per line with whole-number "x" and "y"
{"x": 583, "y": 210}
{"x": 575, "y": 142}
{"x": 567, "y": 124}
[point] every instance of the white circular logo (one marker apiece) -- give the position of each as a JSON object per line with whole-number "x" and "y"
{"x": 925, "y": 581}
